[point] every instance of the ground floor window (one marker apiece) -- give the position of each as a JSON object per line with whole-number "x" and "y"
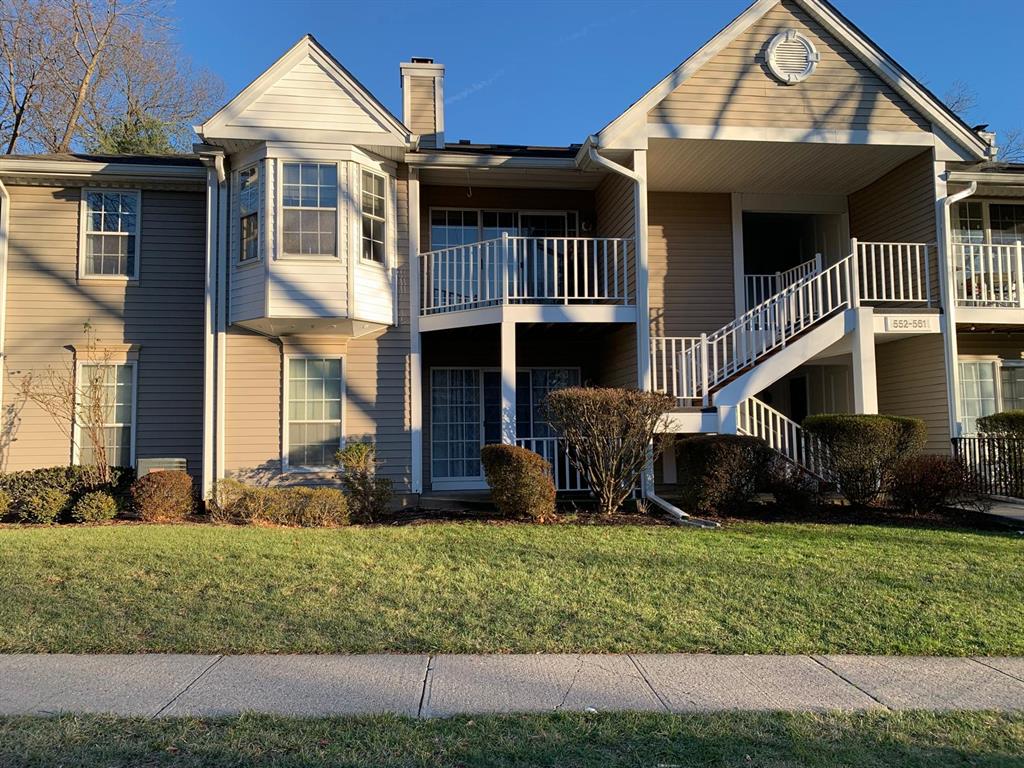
{"x": 989, "y": 386}
{"x": 106, "y": 401}
{"x": 313, "y": 425}
{"x": 465, "y": 413}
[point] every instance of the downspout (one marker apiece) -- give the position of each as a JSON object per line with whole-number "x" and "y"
{"x": 948, "y": 287}
{"x": 222, "y": 316}
{"x": 643, "y": 314}
{"x": 5, "y": 218}
{"x": 211, "y": 322}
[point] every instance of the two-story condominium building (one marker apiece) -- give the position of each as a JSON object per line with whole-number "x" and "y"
{"x": 788, "y": 223}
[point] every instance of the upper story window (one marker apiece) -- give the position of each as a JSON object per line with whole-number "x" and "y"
{"x": 374, "y": 208}
{"x": 450, "y": 226}
{"x": 310, "y": 209}
{"x": 249, "y": 214}
{"x": 111, "y": 233}
{"x": 979, "y": 222}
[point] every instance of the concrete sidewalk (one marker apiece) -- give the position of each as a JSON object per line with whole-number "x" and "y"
{"x": 156, "y": 685}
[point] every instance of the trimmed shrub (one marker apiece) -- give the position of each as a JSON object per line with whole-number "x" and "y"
{"x": 608, "y": 435}
{"x": 793, "y": 488}
{"x": 860, "y": 452}
{"x": 368, "y": 494}
{"x": 520, "y": 481}
{"x": 72, "y": 480}
{"x": 45, "y": 507}
{"x": 163, "y": 497}
{"x": 281, "y": 505}
{"x": 1005, "y": 423}
{"x": 718, "y": 473}
{"x": 926, "y": 484}
{"x": 5, "y": 503}
{"x": 94, "y": 507}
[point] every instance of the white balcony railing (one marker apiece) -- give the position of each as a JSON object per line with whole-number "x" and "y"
{"x": 565, "y": 475}
{"x": 760, "y": 287}
{"x": 527, "y": 270}
{"x": 690, "y": 368}
{"x": 988, "y": 275}
{"x": 896, "y": 273}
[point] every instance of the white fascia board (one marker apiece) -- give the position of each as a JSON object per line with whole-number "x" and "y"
{"x": 994, "y": 178}
{"x": 905, "y": 85}
{"x": 528, "y": 313}
{"x": 26, "y": 166}
{"x": 789, "y": 135}
{"x": 989, "y": 316}
{"x": 630, "y": 122}
{"x": 443, "y": 160}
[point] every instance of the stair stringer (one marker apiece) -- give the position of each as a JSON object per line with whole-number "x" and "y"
{"x": 777, "y": 365}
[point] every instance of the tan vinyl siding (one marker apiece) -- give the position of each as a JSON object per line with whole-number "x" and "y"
{"x": 421, "y": 106}
{"x": 735, "y": 87}
{"x": 690, "y": 262}
{"x": 163, "y": 314}
{"x": 615, "y": 215}
{"x": 911, "y": 376}
{"x": 252, "y": 403}
{"x": 900, "y": 208}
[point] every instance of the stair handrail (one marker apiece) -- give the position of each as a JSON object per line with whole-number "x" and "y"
{"x": 777, "y": 318}
{"x": 784, "y": 435}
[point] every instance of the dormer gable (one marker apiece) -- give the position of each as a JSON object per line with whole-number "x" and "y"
{"x": 307, "y": 96}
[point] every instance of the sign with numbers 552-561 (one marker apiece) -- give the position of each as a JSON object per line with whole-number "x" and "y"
{"x": 911, "y": 324}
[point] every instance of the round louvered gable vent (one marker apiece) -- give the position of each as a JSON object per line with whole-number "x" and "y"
{"x": 792, "y": 57}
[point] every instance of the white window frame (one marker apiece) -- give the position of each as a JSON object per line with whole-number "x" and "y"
{"x": 567, "y": 212}
{"x": 76, "y": 429}
{"x": 1003, "y": 363}
{"x": 388, "y": 214}
{"x": 986, "y": 216}
{"x": 285, "y": 378}
{"x": 445, "y": 482}
{"x": 279, "y": 204}
{"x": 84, "y": 231}
{"x": 260, "y": 173}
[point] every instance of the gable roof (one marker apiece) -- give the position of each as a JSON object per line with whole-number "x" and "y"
{"x": 886, "y": 68}
{"x": 350, "y": 109}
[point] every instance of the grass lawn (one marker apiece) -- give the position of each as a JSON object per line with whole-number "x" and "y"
{"x": 475, "y": 587}
{"x": 892, "y": 740}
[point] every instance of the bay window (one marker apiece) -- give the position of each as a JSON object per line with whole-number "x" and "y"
{"x": 249, "y": 214}
{"x": 374, "y": 216}
{"x": 310, "y": 209}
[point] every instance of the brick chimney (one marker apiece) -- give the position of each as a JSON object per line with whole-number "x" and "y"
{"x": 423, "y": 100}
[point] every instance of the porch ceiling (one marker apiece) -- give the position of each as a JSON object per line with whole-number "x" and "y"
{"x": 709, "y": 165}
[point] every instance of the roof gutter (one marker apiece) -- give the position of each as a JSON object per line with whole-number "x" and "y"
{"x": 994, "y": 177}
{"x": 81, "y": 169}
{"x": 590, "y": 147}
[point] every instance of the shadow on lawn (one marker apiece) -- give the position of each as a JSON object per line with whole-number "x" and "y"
{"x": 729, "y": 740}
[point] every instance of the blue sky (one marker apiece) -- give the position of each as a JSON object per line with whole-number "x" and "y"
{"x": 553, "y": 72}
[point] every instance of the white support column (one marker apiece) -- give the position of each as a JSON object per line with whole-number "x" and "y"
{"x": 415, "y": 339}
{"x": 643, "y": 313}
{"x": 508, "y": 383}
{"x": 738, "y": 268}
{"x": 728, "y": 419}
{"x": 865, "y": 384}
